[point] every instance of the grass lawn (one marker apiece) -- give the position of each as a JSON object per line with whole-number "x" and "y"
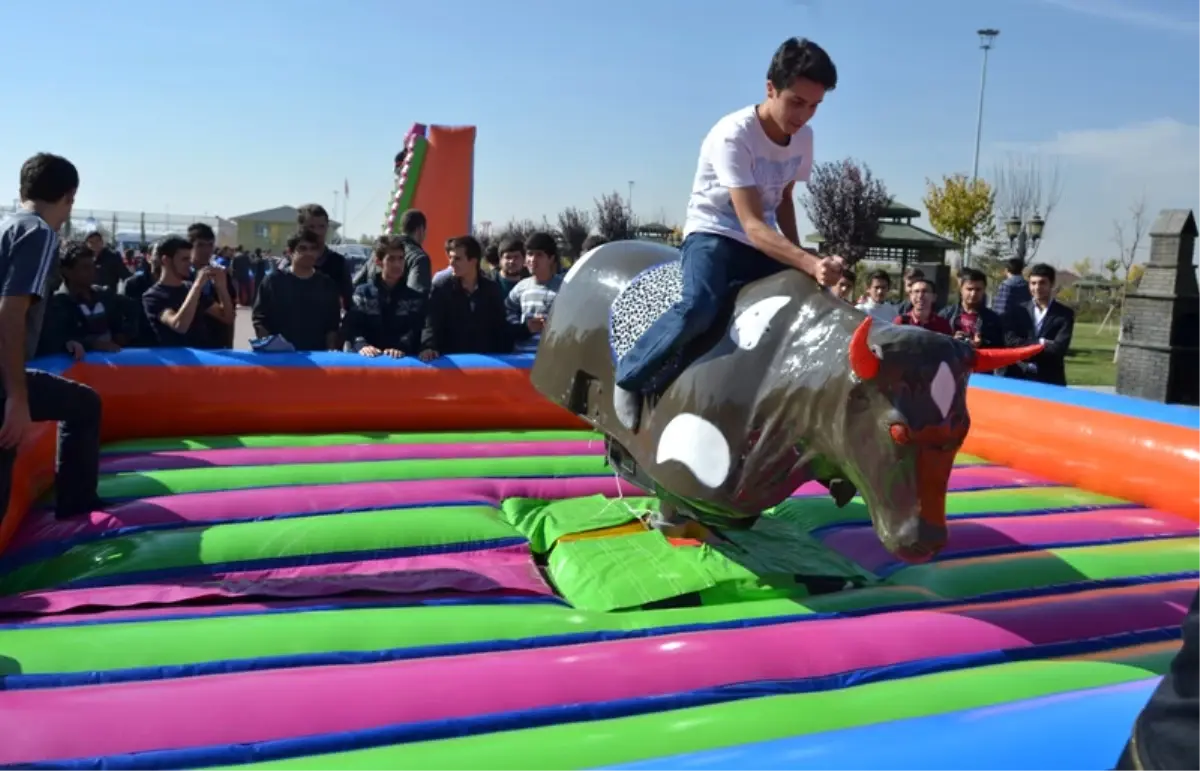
{"x": 1090, "y": 360}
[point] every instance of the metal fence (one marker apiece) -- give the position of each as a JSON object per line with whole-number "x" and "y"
{"x": 129, "y": 227}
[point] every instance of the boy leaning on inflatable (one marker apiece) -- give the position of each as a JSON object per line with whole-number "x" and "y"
{"x": 741, "y": 217}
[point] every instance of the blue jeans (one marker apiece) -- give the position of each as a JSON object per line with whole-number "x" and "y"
{"x": 714, "y": 269}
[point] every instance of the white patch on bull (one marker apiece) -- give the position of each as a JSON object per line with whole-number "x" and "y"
{"x": 943, "y": 389}
{"x": 578, "y": 264}
{"x": 697, "y": 444}
{"x": 752, "y": 324}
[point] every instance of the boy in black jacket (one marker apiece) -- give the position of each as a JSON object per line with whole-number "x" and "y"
{"x": 386, "y": 314}
{"x": 466, "y": 308}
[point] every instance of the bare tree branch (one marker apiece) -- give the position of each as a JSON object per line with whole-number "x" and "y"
{"x": 1128, "y": 236}
{"x": 1025, "y": 188}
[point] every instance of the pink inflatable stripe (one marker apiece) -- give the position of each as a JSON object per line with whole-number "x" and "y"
{"x": 198, "y": 508}
{"x": 862, "y": 545}
{"x": 188, "y": 712}
{"x": 508, "y": 568}
{"x": 351, "y": 453}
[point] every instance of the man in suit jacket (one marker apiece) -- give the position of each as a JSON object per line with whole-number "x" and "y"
{"x": 1041, "y": 319}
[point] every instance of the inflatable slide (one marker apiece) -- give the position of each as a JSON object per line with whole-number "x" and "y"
{"x": 434, "y": 173}
{"x": 325, "y": 561}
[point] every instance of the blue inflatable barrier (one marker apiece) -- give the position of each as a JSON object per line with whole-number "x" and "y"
{"x": 1075, "y": 730}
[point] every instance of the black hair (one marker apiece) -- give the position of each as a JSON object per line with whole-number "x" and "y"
{"x": 71, "y": 253}
{"x": 303, "y": 237}
{"x": 171, "y": 246}
{"x": 199, "y": 231}
{"x": 470, "y": 245}
{"x": 1014, "y": 266}
{"x": 48, "y": 178}
{"x": 411, "y": 221}
{"x": 850, "y": 274}
{"x": 915, "y": 274}
{"x": 385, "y": 244}
{"x": 1045, "y": 271}
{"x": 879, "y": 275}
{"x": 972, "y": 274}
{"x": 92, "y": 233}
{"x": 491, "y": 255}
{"x": 801, "y": 58}
{"x": 542, "y": 242}
{"x": 309, "y": 211}
{"x": 921, "y": 280}
{"x": 511, "y": 244}
{"x": 591, "y": 242}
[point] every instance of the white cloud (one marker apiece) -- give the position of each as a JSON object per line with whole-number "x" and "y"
{"x": 1128, "y": 13}
{"x": 1151, "y": 151}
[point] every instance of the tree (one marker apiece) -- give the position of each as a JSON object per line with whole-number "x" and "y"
{"x": 1134, "y": 276}
{"x": 1083, "y": 268}
{"x": 518, "y": 229}
{"x": 613, "y": 219}
{"x": 574, "y": 225}
{"x": 1023, "y": 188}
{"x": 1112, "y": 267}
{"x": 960, "y": 209}
{"x": 844, "y": 203}
{"x": 1128, "y": 235}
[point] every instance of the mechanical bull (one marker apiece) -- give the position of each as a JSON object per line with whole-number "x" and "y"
{"x": 790, "y": 385}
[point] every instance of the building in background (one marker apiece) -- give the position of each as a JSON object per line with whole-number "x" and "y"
{"x": 270, "y": 229}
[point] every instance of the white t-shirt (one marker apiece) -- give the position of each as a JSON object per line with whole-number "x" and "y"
{"x": 738, "y": 153}
{"x": 879, "y": 311}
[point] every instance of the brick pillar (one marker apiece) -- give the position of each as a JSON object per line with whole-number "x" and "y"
{"x": 1159, "y": 356}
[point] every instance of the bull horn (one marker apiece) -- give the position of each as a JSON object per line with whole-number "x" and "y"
{"x": 988, "y": 359}
{"x": 863, "y": 360}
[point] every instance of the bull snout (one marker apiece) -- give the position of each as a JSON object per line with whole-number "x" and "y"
{"x": 919, "y": 542}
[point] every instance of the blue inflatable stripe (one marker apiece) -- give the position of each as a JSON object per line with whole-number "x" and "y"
{"x": 405, "y": 733}
{"x": 824, "y": 530}
{"x": 299, "y": 560}
{"x": 334, "y": 658}
{"x": 1082, "y": 730}
{"x": 1171, "y": 414}
{"x": 190, "y": 357}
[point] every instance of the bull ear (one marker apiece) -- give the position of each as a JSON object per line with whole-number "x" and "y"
{"x": 988, "y": 359}
{"x": 863, "y": 360}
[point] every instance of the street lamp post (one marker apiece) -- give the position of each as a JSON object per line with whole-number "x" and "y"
{"x": 986, "y": 38}
{"x": 1022, "y": 234}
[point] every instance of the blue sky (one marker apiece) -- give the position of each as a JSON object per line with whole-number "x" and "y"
{"x": 230, "y": 106}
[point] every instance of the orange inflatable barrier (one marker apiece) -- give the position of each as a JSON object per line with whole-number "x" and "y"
{"x": 1140, "y": 452}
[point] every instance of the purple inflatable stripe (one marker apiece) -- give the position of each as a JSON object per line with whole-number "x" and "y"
{"x": 508, "y": 568}
{"x": 198, "y": 508}
{"x": 861, "y": 545}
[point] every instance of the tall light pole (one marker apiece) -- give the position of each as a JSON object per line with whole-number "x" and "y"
{"x": 986, "y": 38}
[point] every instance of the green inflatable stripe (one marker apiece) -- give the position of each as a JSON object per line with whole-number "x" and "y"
{"x": 295, "y": 536}
{"x": 967, "y": 577}
{"x": 200, "y": 480}
{"x": 336, "y": 440}
{"x": 101, "y": 647}
{"x": 601, "y": 743}
{"x": 823, "y": 512}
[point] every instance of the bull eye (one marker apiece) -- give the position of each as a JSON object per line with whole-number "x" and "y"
{"x": 899, "y": 433}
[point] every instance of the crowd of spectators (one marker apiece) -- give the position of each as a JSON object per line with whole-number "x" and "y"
{"x": 1022, "y": 312}
{"x": 183, "y": 292}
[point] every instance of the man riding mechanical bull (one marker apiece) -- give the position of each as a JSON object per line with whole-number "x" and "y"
{"x": 725, "y": 381}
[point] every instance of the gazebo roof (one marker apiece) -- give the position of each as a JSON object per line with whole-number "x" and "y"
{"x": 898, "y": 211}
{"x": 901, "y": 234}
